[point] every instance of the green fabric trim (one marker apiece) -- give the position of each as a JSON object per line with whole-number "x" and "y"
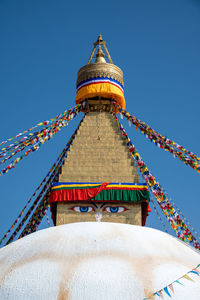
{"x": 122, "y": 195}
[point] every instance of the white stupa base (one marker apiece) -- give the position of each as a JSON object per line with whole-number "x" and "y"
{"x": 96, "y": 261}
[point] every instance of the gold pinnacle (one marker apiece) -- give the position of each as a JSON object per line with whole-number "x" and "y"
{"x": 100, "y": 53}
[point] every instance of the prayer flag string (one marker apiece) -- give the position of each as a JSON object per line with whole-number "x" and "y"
{"x": 37, "y": 189}
{"x": 37, "y": 216}
{"x": 31, "y": 209}
{"x": 42, "y": 132}
{"x": 194, "y": 232}
{"x": 37, "y": 136}
{"x": 40, "y": 138}
{"x": 47, "y": 217}
{"x": 47, "y": 181}
{"x": 44, "y": 123}
{"x": 181, "y": 229}
{"x": 169, "y": 289}
{"x": 163, "y": 142}
{"x": 185, "y": 219}
{"x": 158, "y": 215}
{"x": 68, "y": 115}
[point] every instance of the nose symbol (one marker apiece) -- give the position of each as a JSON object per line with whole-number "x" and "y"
{"x": 98, "y": 216}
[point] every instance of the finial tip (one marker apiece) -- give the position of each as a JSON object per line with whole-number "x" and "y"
{"x": 100, "y": 39}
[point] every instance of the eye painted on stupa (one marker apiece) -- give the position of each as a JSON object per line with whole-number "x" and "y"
{"x": 115, "y": 209}
{"x": 82, "y": 209}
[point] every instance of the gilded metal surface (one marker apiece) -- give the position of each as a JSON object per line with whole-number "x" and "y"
{"x": 100, "y": 56}
{"x": 100, "y": 68}
{"x": 92, "y": 54}
{"x": 99, "y": 106}
{"x": 100, "y": 42}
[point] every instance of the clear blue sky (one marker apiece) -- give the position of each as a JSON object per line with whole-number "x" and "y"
{"x": 157, "y": 45}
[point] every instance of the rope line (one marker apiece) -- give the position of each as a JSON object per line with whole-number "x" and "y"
{"x": 158, "y": 215}
{"x": 163, "y": 142}
{"x": 177, "y": 224}
{"x": 40, "y": 138}
{"x": 46, "y": 183}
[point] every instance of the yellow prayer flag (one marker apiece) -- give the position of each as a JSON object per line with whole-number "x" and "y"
{"x": 187, "y": 277}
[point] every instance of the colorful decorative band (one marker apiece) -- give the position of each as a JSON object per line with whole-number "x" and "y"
{"x": 67, "y": 191}
{"x": 84, "y": 191}
{"x": 100, "y": 80}
{"x": 88, "y": 185}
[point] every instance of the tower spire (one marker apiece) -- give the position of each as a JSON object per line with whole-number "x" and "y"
{"x": 100, "y": 53}
{"x": 100, "y": 79}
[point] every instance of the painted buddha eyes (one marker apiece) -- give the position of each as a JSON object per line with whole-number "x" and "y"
{"x": 83, "y": 209}
{"x": 116, "y": 209}
{"x": 109, "y": 209}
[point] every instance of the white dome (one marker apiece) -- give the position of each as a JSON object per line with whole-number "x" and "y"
{"x": 101, "y": 261}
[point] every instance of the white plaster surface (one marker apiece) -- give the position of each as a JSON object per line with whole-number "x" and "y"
{"x": 96, "y": 261}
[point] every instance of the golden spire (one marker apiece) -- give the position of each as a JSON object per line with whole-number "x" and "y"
{"x": 101, "y": 78}
{"x": 100, "y": 55}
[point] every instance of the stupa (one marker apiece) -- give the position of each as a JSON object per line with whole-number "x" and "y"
{"x": 99, "y": 248}
{"x": 98, "y": 167}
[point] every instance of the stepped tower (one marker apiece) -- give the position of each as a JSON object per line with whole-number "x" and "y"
{"x": 99, "y": 155}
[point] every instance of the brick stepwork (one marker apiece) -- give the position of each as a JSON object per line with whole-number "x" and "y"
{"x": 98, "y": 153}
